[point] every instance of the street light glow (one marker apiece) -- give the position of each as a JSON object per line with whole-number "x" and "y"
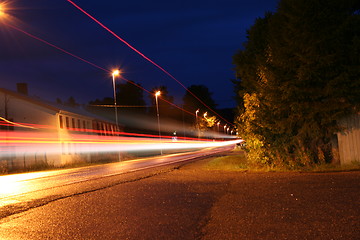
{"x": 158, "y": 93}
{"x": 116, "y": 73}
{"x": 3, "y": 9}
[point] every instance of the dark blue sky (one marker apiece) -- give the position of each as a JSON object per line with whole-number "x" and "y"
{"x": 194, "y": 40}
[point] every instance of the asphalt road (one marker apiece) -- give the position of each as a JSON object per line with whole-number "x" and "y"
{"x": 191, "y": 202}
{"x": 28, "y": 189}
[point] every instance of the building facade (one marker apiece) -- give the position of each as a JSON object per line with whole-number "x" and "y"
{"x": 34, "y": 132}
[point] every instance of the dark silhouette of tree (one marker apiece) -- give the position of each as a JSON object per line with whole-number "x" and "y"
{"x": 129, "y": 94}
{"x": 164, "y": 101}
{"x": 104, "y": 101}
{"x": 192, "y": 104}
{"x": 71, "y": 102}
{"x": 59, "y": 101}
{"x": 299, "y": 76}
{"x": 130, "y": 104}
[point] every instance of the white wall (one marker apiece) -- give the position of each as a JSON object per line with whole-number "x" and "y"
{"x": 349, "y": 140}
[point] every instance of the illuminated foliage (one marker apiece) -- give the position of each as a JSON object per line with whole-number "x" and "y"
{"x": 300, "y": 68}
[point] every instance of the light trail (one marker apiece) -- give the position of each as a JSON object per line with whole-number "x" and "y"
{"x": 145, "y": 57}
{"x": 25, "y": 142}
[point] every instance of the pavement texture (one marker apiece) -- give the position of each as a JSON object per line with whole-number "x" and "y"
{"x": 191, "y": 202}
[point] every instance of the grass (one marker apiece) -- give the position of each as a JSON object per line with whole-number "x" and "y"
{"x": 236, "y": 161}
{"x": 355, "y": 166}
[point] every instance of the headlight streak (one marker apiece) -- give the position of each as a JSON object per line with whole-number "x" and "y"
{"x": 29, "y": 142}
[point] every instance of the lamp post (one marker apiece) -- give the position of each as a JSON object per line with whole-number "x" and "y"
{"x": 218, "y": 124}
{"x": 224, "y": 128}
{"x": 158, "y": 93}
{"x": 114, "y": 74}
{"x": 197, "y": 122}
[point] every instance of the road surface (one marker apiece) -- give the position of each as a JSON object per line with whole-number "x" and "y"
{"x": 190, "y": 201}
{"x": 19, "y": 192}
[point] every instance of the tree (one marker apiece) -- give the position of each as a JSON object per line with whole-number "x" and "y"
{"x": 164, "y": 101}
{"x": 71, "y": 102}
{"x": 129, "y": 93}
{"x": 130, "y": 103}
{"x": 192, "y": 104}
{"x": 301, "y": 65}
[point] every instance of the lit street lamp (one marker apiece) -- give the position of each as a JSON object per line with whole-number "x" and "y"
{"x": 218, "y": 124}
{"x": 3, "y": 10}
{"x": 115, "y": 73}
{"x": 197, "y": 122}
{"x": 224, "y": 128}
{"x": 158, "y": 93}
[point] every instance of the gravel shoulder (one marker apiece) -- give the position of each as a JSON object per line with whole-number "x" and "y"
{"x": 277, "y": 205}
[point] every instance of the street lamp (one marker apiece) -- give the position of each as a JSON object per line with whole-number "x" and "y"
{"x": 2, "y": 12}
{"x": 158, "y": 93}
{"x": 218, "y": 124}
{"x": 197, "y": 122}
{"x": 224, "y": 128}
{"x": 114, "y": 74}
{"x": 2, "y": 9}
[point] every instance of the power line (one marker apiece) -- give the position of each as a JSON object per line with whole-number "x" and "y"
{"x": 144, "y": 56}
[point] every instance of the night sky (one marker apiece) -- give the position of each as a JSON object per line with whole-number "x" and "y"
{"x": 194, "y": 40}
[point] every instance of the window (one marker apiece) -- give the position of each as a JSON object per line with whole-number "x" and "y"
{"x": 67, "y": 122}
{"x": 61, "y": 121}
{"x": 78, "y": 125}
{"x": 73, "y": 123}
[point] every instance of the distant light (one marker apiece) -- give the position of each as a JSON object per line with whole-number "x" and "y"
{"x": 205, "y": 114}
{"x": 158, "y": 93}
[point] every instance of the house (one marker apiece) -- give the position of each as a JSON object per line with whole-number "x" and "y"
{"x": 35, "y": 132}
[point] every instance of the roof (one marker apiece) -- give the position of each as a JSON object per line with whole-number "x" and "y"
{"x": 59, "y": 108}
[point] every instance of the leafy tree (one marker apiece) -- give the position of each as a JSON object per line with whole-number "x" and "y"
{"x": 164, "y": 101}
{"x": 71, "y": 102}
{"x": 192, "y": 104}
{"x": 129, "y": 94}
{"x": 301, "y": 65}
